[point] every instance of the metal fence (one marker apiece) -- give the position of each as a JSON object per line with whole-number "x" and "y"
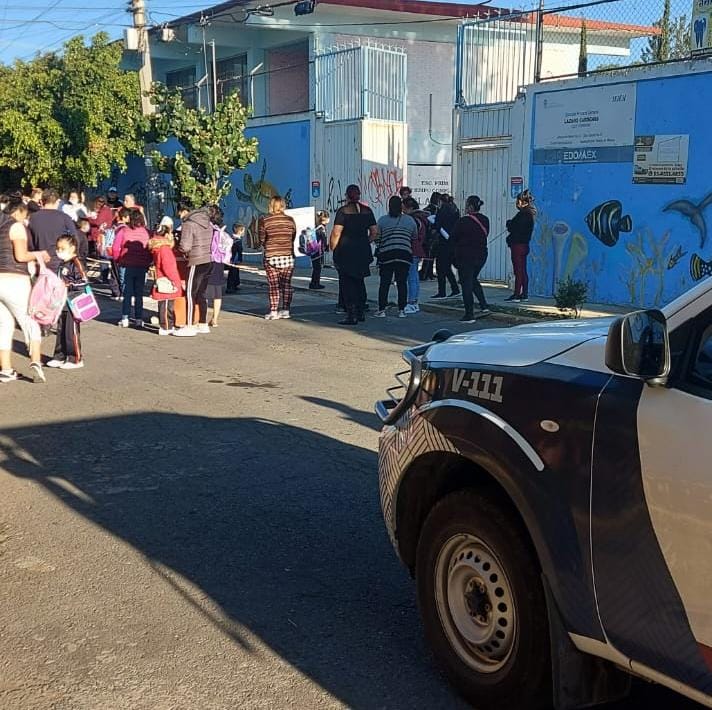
{"x": 500, "y": 52}
{"x": 361, "y": 81}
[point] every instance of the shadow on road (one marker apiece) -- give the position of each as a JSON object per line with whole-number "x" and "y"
{"x": 280, "y": 526}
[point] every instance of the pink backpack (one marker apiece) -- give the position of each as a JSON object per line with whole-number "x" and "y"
{"x": 48, "y": 297}
{"x": 84, "y": 306}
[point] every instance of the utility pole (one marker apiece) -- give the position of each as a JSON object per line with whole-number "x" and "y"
{"x": 215, "y": 77}
{"x": 145, "y": 74}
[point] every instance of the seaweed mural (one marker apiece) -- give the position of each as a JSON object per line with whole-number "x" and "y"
{"x": 648, "y": 264}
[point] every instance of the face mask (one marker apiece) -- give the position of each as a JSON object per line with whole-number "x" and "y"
{"x": 64, "y": 255}
{"x": 73, "y": 201}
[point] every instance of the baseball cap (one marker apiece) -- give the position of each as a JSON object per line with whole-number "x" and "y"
{"x": 112, "y": 189}
{"x": 166, "y": 222}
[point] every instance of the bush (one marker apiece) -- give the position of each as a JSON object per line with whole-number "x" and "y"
{"x": 571, "y": 295}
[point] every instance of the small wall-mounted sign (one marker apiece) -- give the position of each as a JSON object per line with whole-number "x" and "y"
{"x": 316, "y": 189}
{"x": 516, "y": 186}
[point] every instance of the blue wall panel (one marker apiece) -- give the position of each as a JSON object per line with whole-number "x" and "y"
{"x": 664, "y": 254}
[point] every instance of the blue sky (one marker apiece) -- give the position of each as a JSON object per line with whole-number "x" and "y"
{"x": 37, "y": 25}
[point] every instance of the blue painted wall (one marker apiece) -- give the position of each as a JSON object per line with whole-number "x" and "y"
{"x": 643, "y": 267}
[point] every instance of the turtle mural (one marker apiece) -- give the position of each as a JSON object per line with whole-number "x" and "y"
{"x": 257, "y": 194}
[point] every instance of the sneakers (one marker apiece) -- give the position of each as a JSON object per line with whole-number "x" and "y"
{"x": 124, "y": 323}
{"x": 7, "y": 376}
{"x": 187, "y": 331}
{"x": 348, "y": 321}
{"x": 166, "y": 331}
{"x": 38, "y": 375}
{"x": 513, "y": 299}
{"x": 401, "y": 314}
{"x": 379, "y": 314}
{"x": 284, "y": 315}
{"x": 467, "y": 318}
{"x": 484, "y": 311}
{"x": 339, "y": 310}
{"x": 55, "y": 363}
{"x": 524, "y": 298}
{"x": 203, "y": 328}
{"x": 454, "y": 294}
{"x": 272, "y": 315}
{"x": 71, "y": 365}
{"x": 412, "y": 308}
{"x": 438, "y": 296}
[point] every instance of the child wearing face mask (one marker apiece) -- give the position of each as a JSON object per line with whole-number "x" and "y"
{"x": 233, "y": 274}
{"x": 68, "y": 347}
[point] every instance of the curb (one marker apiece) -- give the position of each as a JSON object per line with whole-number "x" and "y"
{"x": 513, "y": 316}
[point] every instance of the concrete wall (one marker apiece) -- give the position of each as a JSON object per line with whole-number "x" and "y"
{"x": 664, "y": 253}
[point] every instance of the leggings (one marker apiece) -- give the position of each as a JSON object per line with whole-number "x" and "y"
{"x": 399, "y": 270}
{"x": 519, "y": 262}
{"x": 14, "y": 299}
{"x": 280, "y": 286}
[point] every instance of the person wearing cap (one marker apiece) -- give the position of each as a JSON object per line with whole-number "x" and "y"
{"x": 354, "y": 229}
{"x": 113, "y": 201}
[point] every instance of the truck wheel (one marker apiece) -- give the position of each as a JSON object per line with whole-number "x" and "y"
{"x": 482, "y": 602}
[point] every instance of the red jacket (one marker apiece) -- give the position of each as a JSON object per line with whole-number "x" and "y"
{"x": 103, "y": 220}
{"x": 131, "y": 248}
{"x": 165, "y": 262}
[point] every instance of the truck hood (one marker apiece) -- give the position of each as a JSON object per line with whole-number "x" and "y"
{"x": 519, "y": 346}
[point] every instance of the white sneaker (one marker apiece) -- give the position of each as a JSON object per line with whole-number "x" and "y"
{"x": 187, "y": 331}
{"x": 411, "y": 308}
{"x": 55, "y": 363}
{"x": 38, "y": 375}
{"x": 379, "y": 314}
{"x": 203, "y": 328}
{"x": 272, "y": 315}
{"x": 166, "y": 331}
{"x": 71, "y": 365}
{"x": 402, "y": 314}
{"x": 284, "y": 315}
{"x": 124, "y": 323}
{"x": 8, "y": 375}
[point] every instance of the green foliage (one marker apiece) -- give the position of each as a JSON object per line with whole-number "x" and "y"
{"x": 214, "y": 145}
{"x": 583, "y": 50}
{"x": 69, "y": 118}
{"x": 571, "y": 295}
{"x": 673, "y": 41}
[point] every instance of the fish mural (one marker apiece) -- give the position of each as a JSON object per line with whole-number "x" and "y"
{"x": 699, "y": 268}
{"x": 676, "y": 257}
{"x": 607, "y": 221}
{"x": 693, "y": 212}
{"x": 258, "y": 194}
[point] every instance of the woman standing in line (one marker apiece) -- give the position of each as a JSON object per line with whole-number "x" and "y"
{"x": 520, "y": 229}
{"x": 427, "y": 269}
{"x": 445, "y": 220}
{"x": 15, "y": 289}
{"x": 277, "y": 232}
{"x": 396, "y": 234}
{"x": 354, "y": 230}
{"x": 469, "y": 243}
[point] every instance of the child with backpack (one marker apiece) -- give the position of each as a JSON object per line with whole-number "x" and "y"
{"x": 233, "y": 275}
{"x": 68, "y": 348}
{"x": 220, "y": 256}
{"x": 167, "y": 286}
{"x": 317, "y": 247}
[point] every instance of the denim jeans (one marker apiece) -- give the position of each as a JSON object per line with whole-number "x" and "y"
{"x": 133, "y": 288}
{"x": 414, "y": 281}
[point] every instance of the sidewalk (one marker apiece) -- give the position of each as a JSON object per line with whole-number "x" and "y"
{"x": 534, "y": 310}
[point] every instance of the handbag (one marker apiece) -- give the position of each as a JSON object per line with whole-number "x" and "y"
{"x": 165, "y": 285}
{"x": 84, "y": 306}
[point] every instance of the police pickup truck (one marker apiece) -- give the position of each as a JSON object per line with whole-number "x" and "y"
{"x": 550, "y": 488}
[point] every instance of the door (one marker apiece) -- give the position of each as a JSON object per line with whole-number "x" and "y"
{"x": 484, "y": 171}
{"x": 651, "y": 513}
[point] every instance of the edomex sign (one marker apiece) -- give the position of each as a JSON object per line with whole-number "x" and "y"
{"x": 591, "y": 125}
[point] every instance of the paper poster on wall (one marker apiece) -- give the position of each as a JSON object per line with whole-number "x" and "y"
{"x": 660, "y": 160}
{"x": 423, "y": 180}
{"x": 304, "y": 218}
{"x": 590, "y": 125}
{"x": 701, "y": 28}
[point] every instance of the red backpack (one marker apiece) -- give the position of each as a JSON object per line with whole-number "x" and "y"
{"x": 47, "y": 298}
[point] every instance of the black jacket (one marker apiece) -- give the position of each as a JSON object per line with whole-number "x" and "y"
{"x": 521, "y": 226}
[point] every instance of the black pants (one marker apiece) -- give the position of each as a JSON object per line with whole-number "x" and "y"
{"x": 353, "y": 289}
{"x": 443, "y": 264}
{"x": 166, "y": 314}
{"x": 317, "y": 265}
{"x": 388, "y": 271}
{"x": 426, "y": 270}
{"x": 469, "y": 281}
{"x": 68, "y": 345}
{"x": 195, "y": 292}
{"x": 233, "y": 279}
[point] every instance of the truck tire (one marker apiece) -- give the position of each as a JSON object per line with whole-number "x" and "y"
{"x": 482, "y": 603}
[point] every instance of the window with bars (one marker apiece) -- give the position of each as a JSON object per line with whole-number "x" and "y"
{"x": 184, "y": 80}
{"x": 232, "y": 76}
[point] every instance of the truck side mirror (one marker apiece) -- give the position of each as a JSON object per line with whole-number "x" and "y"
{"x": 638, "y": 346}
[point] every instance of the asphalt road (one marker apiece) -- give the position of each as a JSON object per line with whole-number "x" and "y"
{"x": 194, "y": 523}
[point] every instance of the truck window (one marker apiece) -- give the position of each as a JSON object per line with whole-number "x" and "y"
{"x": 701, "y": 366}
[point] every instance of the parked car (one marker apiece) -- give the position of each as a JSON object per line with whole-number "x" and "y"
{"x": 550, "y": 489}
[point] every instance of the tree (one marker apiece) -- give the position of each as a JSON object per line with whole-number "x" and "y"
{"x": 672, "y": 40}
{"x": 583, "y": 50}
{"x": 70, "y": 117}
{"x": 213, "y": 145}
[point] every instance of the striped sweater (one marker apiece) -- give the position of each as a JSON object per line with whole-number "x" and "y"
{"x": 277, "y": 233}
{"x": 395, "y": 240}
